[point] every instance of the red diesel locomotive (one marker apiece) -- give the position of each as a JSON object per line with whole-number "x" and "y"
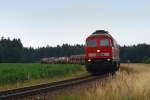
{"x": 101, "y": 53}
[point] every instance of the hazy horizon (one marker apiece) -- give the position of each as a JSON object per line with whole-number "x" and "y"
{"x": 53, "y": 22}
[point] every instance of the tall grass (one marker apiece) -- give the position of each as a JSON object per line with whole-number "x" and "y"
{"x": 12, "y": 73}
{"x": 132, "y": 82}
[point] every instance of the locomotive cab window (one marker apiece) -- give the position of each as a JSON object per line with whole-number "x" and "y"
{"x": 104, "y": 42}
{"x": 91, "y": 43}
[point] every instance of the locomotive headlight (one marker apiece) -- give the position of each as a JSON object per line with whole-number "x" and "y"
{"x": 98, "y": 51}
{"x": 89, "y": 60}
{"x": 108, "y": 59}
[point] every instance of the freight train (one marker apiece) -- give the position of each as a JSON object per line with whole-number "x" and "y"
{"x": 73, "y": 59}
{"x": 101, "y": 53}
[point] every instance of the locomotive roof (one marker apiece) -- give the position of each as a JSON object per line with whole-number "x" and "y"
{"x": 100, "y": 33}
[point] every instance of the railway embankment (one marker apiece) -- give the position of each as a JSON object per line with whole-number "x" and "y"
{"x": 131, "y": 82}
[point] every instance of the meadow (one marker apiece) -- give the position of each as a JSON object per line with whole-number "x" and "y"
{"x": 132, "y": 82}
{"x": 12, "y": 74}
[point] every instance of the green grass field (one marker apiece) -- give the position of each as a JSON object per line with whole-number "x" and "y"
{"x": 11, "y": 73}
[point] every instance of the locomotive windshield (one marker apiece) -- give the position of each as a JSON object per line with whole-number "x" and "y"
{"x": 104, "y": 42}
{"x": 91, "y": 43}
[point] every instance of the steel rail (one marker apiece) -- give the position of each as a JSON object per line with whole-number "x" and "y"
{"x": 33, "y": 90}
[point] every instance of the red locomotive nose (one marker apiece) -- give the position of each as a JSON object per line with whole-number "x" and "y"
{"x": 101, "y": 47}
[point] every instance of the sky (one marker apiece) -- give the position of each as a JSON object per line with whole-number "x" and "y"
{"x": 40, "y": 23}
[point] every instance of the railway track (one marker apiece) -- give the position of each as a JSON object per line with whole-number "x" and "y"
{"x": 43, "y": 88}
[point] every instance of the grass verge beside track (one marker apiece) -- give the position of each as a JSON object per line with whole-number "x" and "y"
{"x": 132, "y": 82}
{"x": 15, "y": 75}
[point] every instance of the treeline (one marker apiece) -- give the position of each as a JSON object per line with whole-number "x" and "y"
{"x": 10, "y": 50}
{"x": 135, "y": 53}
{"x": 13, "y": 51}
{"x": 34, "y": 55}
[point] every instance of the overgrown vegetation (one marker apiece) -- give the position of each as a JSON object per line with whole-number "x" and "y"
{"x": 131, "y": 83}
{"x": 13, "y": 73}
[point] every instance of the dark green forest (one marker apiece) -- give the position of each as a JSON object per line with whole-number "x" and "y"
{"x": 12, "y": 51}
